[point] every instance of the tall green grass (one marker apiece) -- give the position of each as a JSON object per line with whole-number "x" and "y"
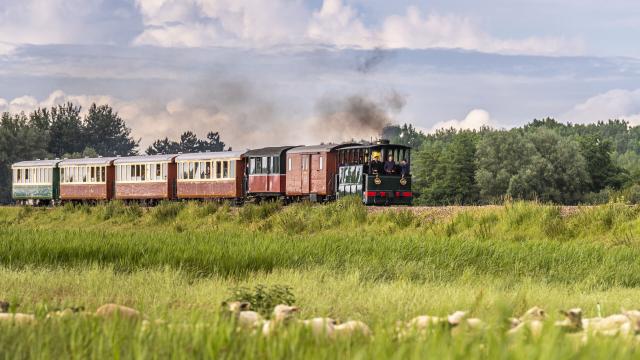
{"x": 178, "y": 261}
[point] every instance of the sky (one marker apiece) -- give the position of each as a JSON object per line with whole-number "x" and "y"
{"x": 291, "y": 71}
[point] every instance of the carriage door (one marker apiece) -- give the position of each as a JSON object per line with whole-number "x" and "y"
{"x": 306, "y": 173}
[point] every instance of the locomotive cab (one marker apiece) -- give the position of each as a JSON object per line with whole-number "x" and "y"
{"x": 379, "y": 173}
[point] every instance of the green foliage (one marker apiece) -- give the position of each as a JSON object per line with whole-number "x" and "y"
{"x": 444, "y": 172}
{"x": 106, "y": 132}
{"x": 117, "y": 210}
{"x": 166, "y": 211}
{"x": 263, "y": 298}
{"x": 258, "y": 212}
{"x": 189, "y": 143}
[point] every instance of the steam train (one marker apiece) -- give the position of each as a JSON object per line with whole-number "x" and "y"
{"x": 289, "y": 173}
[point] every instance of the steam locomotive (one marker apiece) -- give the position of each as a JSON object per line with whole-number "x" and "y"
{"x": 289, "y": 173}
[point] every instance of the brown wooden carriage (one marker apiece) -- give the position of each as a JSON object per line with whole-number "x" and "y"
{"x": 311, "y": 171}
{"x": 266, "y": 172}
{"x": 147, "y": 177}
{"x": 88, "y": 179}
{"x": 210, "y": 175}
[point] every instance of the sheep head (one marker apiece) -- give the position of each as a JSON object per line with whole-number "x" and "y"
{"x": 535, "y": 313}
{"x": 236, "y": 306}
{"x": 456, "y": 318}
{"x": 574, "y": 316}
{"x": 283, "y": 312}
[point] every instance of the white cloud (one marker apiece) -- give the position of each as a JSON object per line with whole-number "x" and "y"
{"x": 6, "y": 48}
{"x": 199, "y": 23}
{"x": 614, "y": 104}
{"x": 413, "y": 30}
{"x": 474, "y": 120}
{"x": 339, "y": 24}
{"x": 255, "y": 23}
{"x": 65, "y": 21}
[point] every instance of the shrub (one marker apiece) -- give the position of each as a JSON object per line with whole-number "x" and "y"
{"x": 263, "y": 298}
{"x": 166, "y": 211}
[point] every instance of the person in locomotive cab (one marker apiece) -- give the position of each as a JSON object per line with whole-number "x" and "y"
{"x": 390, "y": 166}
{"x": 376, "y": 164}
{"x": 404, "y": 168}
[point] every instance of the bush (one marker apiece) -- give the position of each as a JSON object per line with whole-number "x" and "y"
{"x": 166, "y": 211}
{"x": 256, "y": 212}
{"x": 263, "y": 298}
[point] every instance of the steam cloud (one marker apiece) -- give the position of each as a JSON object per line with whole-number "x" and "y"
{"x": 355, "y": 117}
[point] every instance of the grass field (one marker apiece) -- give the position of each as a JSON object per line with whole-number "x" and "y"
{"x": 178, "y": 262}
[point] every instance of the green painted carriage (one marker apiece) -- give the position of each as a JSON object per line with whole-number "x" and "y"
{"x": 36, "y": 182}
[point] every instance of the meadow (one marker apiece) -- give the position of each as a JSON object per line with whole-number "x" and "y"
{"x": 179, "y": 261}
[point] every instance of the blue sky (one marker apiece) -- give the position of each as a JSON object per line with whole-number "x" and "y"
{"x": 255, "y": 68}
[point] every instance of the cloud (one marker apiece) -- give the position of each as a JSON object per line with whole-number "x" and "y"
{"x": 474, "y": 120}
{"x": 613, "y": 104}
{"x": 6, "y": 48}
{"x": 201, "y": 23}
{"x": 67, "y": 21}
{"x": 255, "y": 23}
{"x": 413, "y": 30}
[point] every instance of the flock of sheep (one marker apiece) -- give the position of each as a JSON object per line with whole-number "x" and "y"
{"x": 625, "y": 324}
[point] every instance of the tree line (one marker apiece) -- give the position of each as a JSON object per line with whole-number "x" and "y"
{"x": 543, "y": 160}
{"x": 63, "y": 131}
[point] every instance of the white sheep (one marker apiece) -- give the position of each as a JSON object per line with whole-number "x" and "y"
{"x": 245, "y": 318}
{"x": 114, "y": 310}
{"x": 16, "y": 318}
{"x": 350, "y": 329}
{"x": 320, "y": 326}
{"x": 531, "y": 321}
{"x": 281, "y": 316}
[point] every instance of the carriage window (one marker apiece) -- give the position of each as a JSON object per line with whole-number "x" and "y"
{"x": 218, "y": 169}
{"x": 252, "y": 166}
{"x": 232, "y": 168}
{"x": 276, "y": 165}
{"x": 158, "y": 171}
{"x": 225, "y": 169}
{"x": 207, "y": 170}
{"x": 321, "y": 162}
{"x": 289, "y": 164}
{"x": 18, "y": 175}
{"x": 93, "y": 174}
{"x": 26, "y": 175}
{"x": 164, "y": 171}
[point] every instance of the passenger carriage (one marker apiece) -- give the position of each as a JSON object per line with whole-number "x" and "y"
{"x": 36, "y": 182}
{"x": 147, "y": 178}
{"x": 311, "y": 171}
{"x": 360, "y": 175}
{"x": 266, "y": 172}
{"x": 88, "y": 179}
{"x": 210, "y": 175}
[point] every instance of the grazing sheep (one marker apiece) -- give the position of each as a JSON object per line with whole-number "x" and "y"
{"x": 245, "y": 319}
{"x": 531, "y": 321}
{"x": 68, "y": 312}
{"x": 350, "y": 329}
{"x": 16, "y": 318}
{"x": 456, "y": 323}
{"x": 320, "y": 326}
{"x": 115, "y": 310}
{"x": 459, "y": 323}
{"x": 236, "y": 306}
{"x": 572, "y": 321}
{"x": 281, "y": 316}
